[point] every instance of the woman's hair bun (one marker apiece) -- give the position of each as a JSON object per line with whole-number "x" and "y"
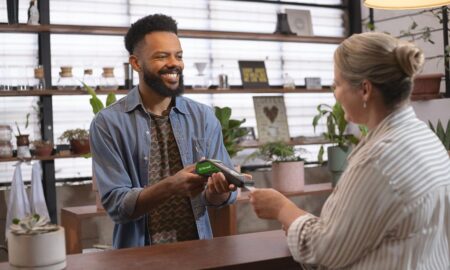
{"x": 410, "y": 58}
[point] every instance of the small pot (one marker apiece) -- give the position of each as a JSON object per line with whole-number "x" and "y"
{"x": 80, "y": 146}
{"x": 22, "y": 140}
{"x": 426, "y": 86}
{"x": 43, "y": 151}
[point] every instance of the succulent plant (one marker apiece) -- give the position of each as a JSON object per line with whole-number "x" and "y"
{"x": 32, "y": 224}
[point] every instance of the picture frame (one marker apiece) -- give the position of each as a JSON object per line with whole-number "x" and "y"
{"x": 313, "y": 83}
{"x": 271, "y": 119}
{"x": 253, "y": 74}
{"x": 299, "y": 21}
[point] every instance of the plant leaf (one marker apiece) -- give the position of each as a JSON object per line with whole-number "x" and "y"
{"x": 110, "y": 99}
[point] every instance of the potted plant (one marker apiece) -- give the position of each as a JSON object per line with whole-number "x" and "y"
{"x": 288, "y": 172}
{"x": 231, "y": 130}
{"x": 34, "y": 243}
{"x": 23, "y": 142}
{"x": 78, "y": 139}
{"x": 442, "y": 134}
{"x": 42, "y": 148}
{"x": 336, "y": 126}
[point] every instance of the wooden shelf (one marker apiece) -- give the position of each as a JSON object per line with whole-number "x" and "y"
{"x": 11, "y": 159}
{"x": 313, "y": 189}
{"x": 294, "y": 141}
{"x": 107, "y": 30}
{"x": 55, "y": 92}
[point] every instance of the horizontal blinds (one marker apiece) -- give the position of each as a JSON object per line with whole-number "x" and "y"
{"x": 18, "y": 56}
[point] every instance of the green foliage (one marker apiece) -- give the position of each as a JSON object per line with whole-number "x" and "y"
{"x": 26, "y": 124}
{"x": 74, "y": 134}
{"x": 336, "y": 125}
{"x": 231, "y": 129}
{"x": 96, "y": 103}
{"x": 441, "y": 133}
{"x": 278, "y": 151}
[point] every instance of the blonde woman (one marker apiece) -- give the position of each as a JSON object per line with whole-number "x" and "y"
{"x": 391, "y": 208}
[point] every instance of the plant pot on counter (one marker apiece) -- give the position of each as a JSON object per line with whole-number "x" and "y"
{"x": 337, "y": 162}
{"x": 80, "y": 146}
{"x": 288, "y": 176}
{"x": 426, "y": 86}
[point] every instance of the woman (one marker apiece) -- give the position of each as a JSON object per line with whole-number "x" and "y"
{"x": 391, "y": 207}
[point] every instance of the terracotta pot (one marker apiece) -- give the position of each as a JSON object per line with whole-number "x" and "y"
{"x": 43, "y": 151}
{"x": 22, "y": 140}
{"x": 80, "y": 147}
{"x": 426, "y": 86}
{"x": 288, "y": 176}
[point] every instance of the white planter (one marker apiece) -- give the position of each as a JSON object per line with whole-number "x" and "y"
{"x": 40, "y": 251}
{"x": 288, "y": 176}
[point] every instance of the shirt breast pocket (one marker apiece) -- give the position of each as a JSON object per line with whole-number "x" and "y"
{"x": 198, "y": 149}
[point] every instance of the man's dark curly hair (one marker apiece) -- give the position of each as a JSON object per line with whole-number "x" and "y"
{"x": 148, "y": 24}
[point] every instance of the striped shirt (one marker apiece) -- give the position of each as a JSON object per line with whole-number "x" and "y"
{"x": 391, "y": 207}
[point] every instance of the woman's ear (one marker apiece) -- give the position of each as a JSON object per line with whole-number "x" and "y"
{"x": 134, "y": 61}
{"x": 366, "y": 90}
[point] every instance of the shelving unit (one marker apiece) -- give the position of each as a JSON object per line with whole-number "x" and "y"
{"x": 45, "y": 30}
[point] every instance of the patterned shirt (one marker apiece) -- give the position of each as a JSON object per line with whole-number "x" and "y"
{"x": 173, "y": 220}
{"x": 391, "y": 208}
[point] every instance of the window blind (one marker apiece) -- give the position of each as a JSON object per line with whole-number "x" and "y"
{"x": 299, "y": 60}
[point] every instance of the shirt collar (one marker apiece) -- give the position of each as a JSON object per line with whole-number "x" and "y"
{"x": 134, "y": 101}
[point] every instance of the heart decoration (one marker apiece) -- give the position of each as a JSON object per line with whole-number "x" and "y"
{"x": 271, "y": 113}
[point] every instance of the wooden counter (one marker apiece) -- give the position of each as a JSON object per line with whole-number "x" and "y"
{"x": 264, "y": 250}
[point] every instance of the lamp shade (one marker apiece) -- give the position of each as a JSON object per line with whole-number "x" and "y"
{"x": 404, "y": 4}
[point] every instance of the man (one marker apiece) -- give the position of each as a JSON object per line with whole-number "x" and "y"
{"x": 143, "y": 144}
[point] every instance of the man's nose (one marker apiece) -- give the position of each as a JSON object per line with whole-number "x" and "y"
{"x": 174, "y": 61}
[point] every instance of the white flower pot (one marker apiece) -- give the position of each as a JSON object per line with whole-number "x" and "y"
{"x": 288, "y": 176}
{"x": 39, "y": 251}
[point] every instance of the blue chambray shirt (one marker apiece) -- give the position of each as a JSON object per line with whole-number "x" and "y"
{"x": 120, "y": 146}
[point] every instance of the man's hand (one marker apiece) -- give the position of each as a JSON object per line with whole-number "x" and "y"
{"x": 217, "y": 184}
{"x": 187, "y": 183}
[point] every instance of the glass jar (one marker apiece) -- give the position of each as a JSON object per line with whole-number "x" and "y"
{"x": 66, "y": 80}
{"x": 6, "y": 150}
{"x": 108, "y": 81}
{"x": 39, "y": 81}
{"x": 5, "y": 133}
{"x": 89, "y": 79}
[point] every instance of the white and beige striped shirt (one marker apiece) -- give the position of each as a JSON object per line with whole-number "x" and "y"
{"x": 391, "y": 208}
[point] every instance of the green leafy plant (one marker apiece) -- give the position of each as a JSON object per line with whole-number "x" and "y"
{"x": 74, "y": 134}
{"x": 336, "y": 126}
{"x": 26, "y": 124}
{"x": 96, "y": 103}
{"x": 231, "y": 129}
{"x": 441, "y": 133}
{"x": 278, "y": 151}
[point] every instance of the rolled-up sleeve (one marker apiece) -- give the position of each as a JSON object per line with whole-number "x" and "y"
{"x": 114, "y": 184}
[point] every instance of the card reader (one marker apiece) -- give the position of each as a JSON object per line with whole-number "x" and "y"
{"x": 209, "y": 166}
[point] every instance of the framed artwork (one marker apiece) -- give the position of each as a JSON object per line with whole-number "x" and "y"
{"x": 253, "y": 74}
{"x": 300, "y": 21}
{"x": 271, "y": 119}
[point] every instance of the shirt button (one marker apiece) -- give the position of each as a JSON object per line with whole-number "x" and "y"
{"x": 147, "y": 132}
{"x": 145, "y": 158}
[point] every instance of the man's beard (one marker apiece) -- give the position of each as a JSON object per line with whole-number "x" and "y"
{"x": 156, "y": 83}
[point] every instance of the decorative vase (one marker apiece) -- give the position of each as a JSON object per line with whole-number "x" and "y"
{"x": 288, "y": 176}
{"x": 37, "y": 251}
{"x": 337, "y": 162}
{"x": 23, "y": 146}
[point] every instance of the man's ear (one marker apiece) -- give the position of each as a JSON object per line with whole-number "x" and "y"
{"x": 134, "y": 61}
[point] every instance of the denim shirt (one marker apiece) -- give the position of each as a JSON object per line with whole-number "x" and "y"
{"x": 120, "y": 146}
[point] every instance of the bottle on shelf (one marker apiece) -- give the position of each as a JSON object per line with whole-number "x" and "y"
{"x": 223, "y": 80}
{"x": 39, "y": 80}
{"x": 128, "y": 71}
{"x": 89, "y": 79}
{"x": 66, "y": 80}
{"x": 288, "y": 82}
{"x": 33, "y": 13}
{"x": 108, "y": 81}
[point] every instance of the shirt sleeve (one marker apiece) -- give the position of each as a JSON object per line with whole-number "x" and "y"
{"x": 216, "y": 150}
{"x": 354, "y": 220}
{"x": 114, "y": 184}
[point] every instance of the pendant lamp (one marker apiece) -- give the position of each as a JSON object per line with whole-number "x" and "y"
{"x": 404, "y": 4}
